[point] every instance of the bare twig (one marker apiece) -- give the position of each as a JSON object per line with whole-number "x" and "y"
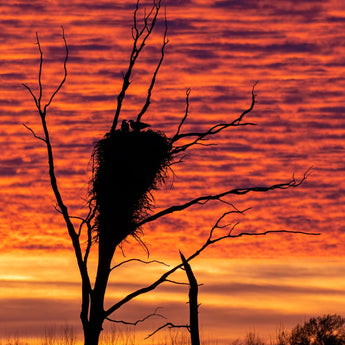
{"x": 176, "y": 136}
{"x": 65, "y": 72}
{"x": 139, "y": 260}
{"x": 138, "y": 321}
{"x": 40, "y": 71}
{"x": 33, "y": 133}
{"x": 142, "y": 243}
{"x": 175, "y": 282}
{"x": 153, "y": 80}
{"x": 169, "y": 325}
{"x": 33, "y": 95}
{"x": 87, "y": 221}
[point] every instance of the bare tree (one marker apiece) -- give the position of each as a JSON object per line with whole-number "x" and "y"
{"x": 114, "y": 214}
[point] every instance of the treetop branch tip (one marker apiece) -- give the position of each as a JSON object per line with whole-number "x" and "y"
{"x": 38, "y": 100}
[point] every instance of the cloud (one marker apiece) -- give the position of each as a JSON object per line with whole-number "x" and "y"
{"x": 43, "y": 313}
{"x": 235, "y": 289}
{"x": 32, "y": 6}
{"x": 291, "y": 47}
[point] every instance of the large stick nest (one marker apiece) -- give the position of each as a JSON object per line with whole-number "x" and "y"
{"x": 127, "y": 167}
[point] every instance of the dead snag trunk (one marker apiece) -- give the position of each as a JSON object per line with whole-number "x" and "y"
{"x": 193, "y": 303}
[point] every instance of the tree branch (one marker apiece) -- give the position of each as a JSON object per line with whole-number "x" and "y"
{"x": 239, "y": 191}
{"x": 65, "y": 72}
{"x": 40, "y": 71}
{"x": 176, "y": 136}
{"x": 201, "y": 136}
{"x": 168, "y": 324}
{"x": 175, "y": 282}
{"x": 139, "y": 260}
{"x": 153, "y": 80}
{"x": 87, "y": 221}
{"x": 138, "y": 46}
{"x": 33, "y": 133}
{"x": 138, "y": 321}
{"x": 53, "y": 181}
{"x": 210, "y": 241}
{"x": 33, "y": 95}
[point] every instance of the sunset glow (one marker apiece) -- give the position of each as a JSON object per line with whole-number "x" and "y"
{"x": 219, "y": 49}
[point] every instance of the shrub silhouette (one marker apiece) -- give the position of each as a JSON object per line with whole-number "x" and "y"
{"x": 322, "y": 330}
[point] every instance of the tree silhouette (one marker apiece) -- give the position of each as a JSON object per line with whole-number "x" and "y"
{"x": 322, "y": 330}
{"x": 129, "y": 163}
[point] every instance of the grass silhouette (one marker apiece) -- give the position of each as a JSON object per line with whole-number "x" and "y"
{"x": 113, "y": 336}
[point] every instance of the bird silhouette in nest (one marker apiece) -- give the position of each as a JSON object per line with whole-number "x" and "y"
{"x": 124, "y": 126}
{"x": 137, "y": 125}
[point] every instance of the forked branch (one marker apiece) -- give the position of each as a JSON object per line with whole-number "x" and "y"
{"x": 238, "y": 191}
{"x": 38, "y": 101}
{"x": 65, "y": 74}
{"x": 139, "y": 260}
{"x": 137, "y": 321}
{"x": 202, "y": 136}
{"x": 42, "y": 110}
{"x": 177, "y": 135}
{"x": 154, "y": 76}
{"x": 169, "y": 325}
{"x": 210, "y": 241}
{"x": 140, "y": 36}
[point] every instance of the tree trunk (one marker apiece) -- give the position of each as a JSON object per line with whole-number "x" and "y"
{"x": 93, "y": 327}
{"x": 92, "y": 333}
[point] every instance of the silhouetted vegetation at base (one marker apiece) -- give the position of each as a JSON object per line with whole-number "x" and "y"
{"x": 113, "y": 336}
{"x": 127, "y": 167}
{"x": 322, "y": 330}
{"x": 326, "y": 330}
{"x": 252, "y": 338}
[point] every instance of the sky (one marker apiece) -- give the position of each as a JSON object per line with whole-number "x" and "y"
{"x": 219, "y": 49}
